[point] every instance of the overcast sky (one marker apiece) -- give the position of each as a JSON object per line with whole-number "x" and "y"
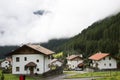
{"x": 61, "y": 18}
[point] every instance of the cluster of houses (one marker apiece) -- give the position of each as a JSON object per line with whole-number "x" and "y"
{"x": 31, "y": 59}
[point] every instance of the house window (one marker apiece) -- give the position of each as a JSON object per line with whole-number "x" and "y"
{"x": 17, "y": 69}
{"x": 37, "y": 60}
{"x": 25, "y": 58}
{"x": 103, "y": 58}
{"x": 104, "y": 64}
{"x": 48, "y": 57}
{"x": 6, "y": 62}
{"x": 6, "y": 66}
{"x": 73, "y": 65}
{"x": 37, "y": 69}
{"x": 17, "y": 59}
{"x": 109, "y": 58}
{"x": 110, "y": 64}
{"x": 25, "y": 68}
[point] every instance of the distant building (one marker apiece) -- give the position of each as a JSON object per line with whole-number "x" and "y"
{"x": 75, "y": 61}
{"x": 56, "y": 62}
{"x": 6, "y": 63}
{"x": 30, "y": 59}
{"x": 103, "y": 61}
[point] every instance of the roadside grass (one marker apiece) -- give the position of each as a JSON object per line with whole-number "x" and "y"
{"x": 69, "y": 72}
{"x": 105, "y": 75}
{"x": 110, "y": 78}
{"x": 16, "y": 77}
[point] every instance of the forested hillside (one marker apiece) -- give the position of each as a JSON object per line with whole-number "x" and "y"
{"x": 103, "y": 35}
{"x": 54, "y": 43}
{"x": 5, "y": 50}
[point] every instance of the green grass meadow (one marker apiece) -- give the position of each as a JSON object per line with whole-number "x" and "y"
{"x": 16, "y": 77}
{"x": 105, "y": 75}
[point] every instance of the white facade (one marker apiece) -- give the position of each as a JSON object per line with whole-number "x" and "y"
{"x": 5, "y": 64}
{"x": 58, "y": 63}
{"x": 73, "y": 63}
{"x": 40, "y": 60}
{"x": 105, "y": 63}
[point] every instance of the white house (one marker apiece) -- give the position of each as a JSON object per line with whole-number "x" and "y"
{"x": 56, "y": 62}
{"x": 75, "y": 61}
{"x": 30, "y": 59}
{"x": 6, "y": 63}
{"x": 103, "y": 61}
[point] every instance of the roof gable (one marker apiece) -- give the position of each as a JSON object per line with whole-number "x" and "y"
{"x": 98, "y": 56}
{"x": 31, "y": 49}
{"x": 55, "y": 60}
{"x": 41, "y": 49}
{"x": 72, "y": 57}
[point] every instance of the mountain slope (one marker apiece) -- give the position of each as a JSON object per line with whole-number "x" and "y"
{"x": 103, "y": 36}
{"x": 5, "y": 50}
{"x": 54, "y": 43}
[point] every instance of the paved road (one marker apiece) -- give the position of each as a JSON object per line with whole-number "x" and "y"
{"x": 83, "y": 78}
{"x": 59, "y": 77}
{"x": 62, "y": 76}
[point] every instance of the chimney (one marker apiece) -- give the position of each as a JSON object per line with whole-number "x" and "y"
{"x": 68, "y": 55}
{"x": 99, "y": 52}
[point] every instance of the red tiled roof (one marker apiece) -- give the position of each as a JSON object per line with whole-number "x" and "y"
{"x": 98, "y": 56}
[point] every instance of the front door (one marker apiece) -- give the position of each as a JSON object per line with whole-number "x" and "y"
{"x": 31, "y": 70}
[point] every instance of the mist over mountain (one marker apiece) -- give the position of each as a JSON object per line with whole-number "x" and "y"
{"x": 103, "y": 35}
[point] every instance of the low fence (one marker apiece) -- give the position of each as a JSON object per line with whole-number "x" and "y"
{"x": 57, "y": 71}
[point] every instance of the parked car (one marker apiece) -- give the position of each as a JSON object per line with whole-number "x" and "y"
{"x": 78, "y": 69}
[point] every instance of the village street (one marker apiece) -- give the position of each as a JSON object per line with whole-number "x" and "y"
{"x": 61, "y": 77}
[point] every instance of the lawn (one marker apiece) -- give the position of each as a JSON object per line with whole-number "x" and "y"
{"x": 16, "y": 77}
{"x": 69, "y": 72}
{"x": 105, "y": 75}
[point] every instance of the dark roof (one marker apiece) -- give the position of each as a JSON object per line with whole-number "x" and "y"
{"x": 37, "y": 48}
{"x": 80, "y": 64}
{"x": 31, "y": 64}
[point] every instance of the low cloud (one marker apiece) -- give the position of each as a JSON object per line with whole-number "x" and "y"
{"x": 24, "y": 21}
